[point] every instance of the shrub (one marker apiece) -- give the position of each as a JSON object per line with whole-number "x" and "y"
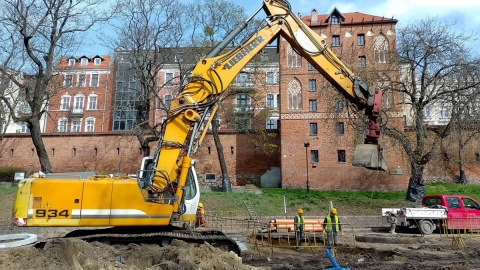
{"x": 7, "y": 173}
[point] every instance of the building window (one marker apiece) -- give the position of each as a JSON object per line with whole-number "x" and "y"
{"x": 167, "y": 100}
{"x": 169, "y": 78}
{"x": 76, "y": 124}
{"x": 341, "y": 156}
{"x": 380, "y": 48}
{"x": 338, "y": 107}
{"x": 25, "y": 128}
{"x": 294, "y": 95}
{"x": 312, "y": 85}
{"x": 243, "y": 80}
{"x": 68, "y": 81}
{"x": 272, "y": 77}
{"x": 92, "y": 102}
{"x": 81, "y": 80}
{"x": 94, "y": 80}
{"x": 71, "y": 62}
{"x": 312, "y": 105}
{"x": 90, "y": 125}
{"x": 314, "y": 156}
{"x": 242, "y": 122}
{"x": 310, "y": 67}
{"x": 313, "y": 129}
{"x": 83, "y": 61}
{"x": 272, "y": 123}
{"x": 335, "y": 19}
{"x": 243, "y": 102}
{"x": 65, "y": 104}
{"x": 97, "y": 61}
{"x": 361, "y": 40}
{"x": 271, "y": 101}
{"x": 426, "y": 112}
{"x": 445, "y": 111}
{"x": 62, "y": 125}
{"x": 362, "y": 61}
{"x": 340, "y": 128}
{"x": 78, "y": 103}
{"x": 293, "y": 59}
{"x": 335, "y": 41}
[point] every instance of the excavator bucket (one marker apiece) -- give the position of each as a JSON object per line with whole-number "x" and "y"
{"x": 370, "y": 157}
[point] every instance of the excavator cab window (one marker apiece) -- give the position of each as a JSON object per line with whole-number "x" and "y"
{"x": 146, "y": 172}
{"x": 190, "y": 187}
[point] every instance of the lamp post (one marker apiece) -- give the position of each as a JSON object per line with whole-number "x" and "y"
{"x": 306, "y": 156}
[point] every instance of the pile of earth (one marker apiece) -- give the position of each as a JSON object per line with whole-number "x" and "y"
{"x": 76, "y": 254}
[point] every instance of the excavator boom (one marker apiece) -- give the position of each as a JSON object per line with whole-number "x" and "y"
{"x": 167, "y": 188}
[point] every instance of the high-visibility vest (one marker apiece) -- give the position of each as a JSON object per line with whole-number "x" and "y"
{"x": 300, "y": 222}
{"x": 200, "y": 218}
{"x": 329, "y": 224}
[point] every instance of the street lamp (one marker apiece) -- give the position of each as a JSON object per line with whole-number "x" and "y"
{"x": 306, "y": 156}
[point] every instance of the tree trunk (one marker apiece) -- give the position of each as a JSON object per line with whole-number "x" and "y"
{"x": 226, "y": 185}
{"x": 462, "y": 176}
{"x": 416, "y": 185}
{"x": 34, "y": 126}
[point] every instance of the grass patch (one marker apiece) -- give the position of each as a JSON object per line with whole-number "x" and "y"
{"x": 7, "y": 190}
{"x": 315, "y": 203}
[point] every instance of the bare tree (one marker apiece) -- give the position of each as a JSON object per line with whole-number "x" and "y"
{"x": 34, "y": 35}
{"x": 149, "y": 33}
{"x": 211, "y": 21}
{"x": 433, "y": 59}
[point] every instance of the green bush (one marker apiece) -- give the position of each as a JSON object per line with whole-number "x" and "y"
{"x": 7, "y": 173}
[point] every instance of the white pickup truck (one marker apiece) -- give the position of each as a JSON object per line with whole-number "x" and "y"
{"x": 452, "y": 211}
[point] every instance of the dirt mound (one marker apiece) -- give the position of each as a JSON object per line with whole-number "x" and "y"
{"x": 77, "y": 254}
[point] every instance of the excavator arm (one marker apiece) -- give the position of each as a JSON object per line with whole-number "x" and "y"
{"x": 167, "y": 188}
{"x": 213, "y": 74}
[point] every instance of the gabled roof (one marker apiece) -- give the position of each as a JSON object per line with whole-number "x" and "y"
{"x": 63, "y": 63}
{"x": 347, "y": 18}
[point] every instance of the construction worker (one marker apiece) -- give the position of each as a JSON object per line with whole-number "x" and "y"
{"x": 299, "y": 224}
{"x": 332, "y": 226}
{"x": 200, "y": 216}
{"x": 392, "y": 219}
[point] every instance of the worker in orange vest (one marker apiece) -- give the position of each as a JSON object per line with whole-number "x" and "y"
{"x": 200, "y": 216}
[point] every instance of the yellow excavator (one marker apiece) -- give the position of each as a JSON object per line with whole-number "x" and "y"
{"x": 166, "y": 190}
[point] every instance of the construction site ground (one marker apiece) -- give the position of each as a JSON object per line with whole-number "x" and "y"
{"x": 373, "y": 248}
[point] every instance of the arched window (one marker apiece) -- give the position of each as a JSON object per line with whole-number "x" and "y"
{"x": 293, "y": 58}
{"x": 294, "y": 95}
{"x": 380, "y": 48}
{"x": 384, "y": 84}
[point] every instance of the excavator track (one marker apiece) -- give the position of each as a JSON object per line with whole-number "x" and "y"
{"x": 154, "y": 235}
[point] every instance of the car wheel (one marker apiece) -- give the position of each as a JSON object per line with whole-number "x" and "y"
{"x": 426, "y": 226}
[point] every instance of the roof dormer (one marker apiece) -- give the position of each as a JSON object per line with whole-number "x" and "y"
{"x": 335, "y": 17}
{"x": 71, "y": 62}
{"x": 83, "y": 61}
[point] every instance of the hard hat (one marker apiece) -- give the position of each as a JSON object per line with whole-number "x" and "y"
{"x": 200, "y": 205}
{"x": 333, "y": 211}
{"x": 300, "y": 210}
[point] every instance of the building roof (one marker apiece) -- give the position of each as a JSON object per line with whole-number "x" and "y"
{"x": 64, "y": 62}
{"x": 346, "y": 18}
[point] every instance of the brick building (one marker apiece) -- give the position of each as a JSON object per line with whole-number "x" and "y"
{"x": 82, "y": 97}
{"x": 317, "y": 139}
